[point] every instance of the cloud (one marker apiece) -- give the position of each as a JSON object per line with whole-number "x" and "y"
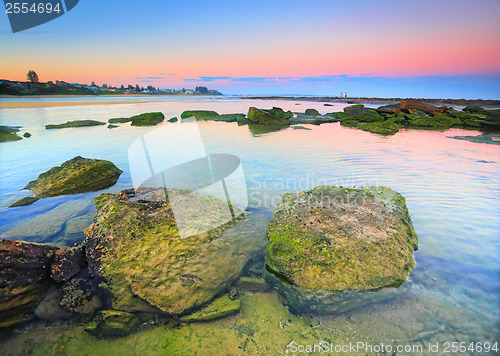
{"x": 321, "y": 78}
{"x": 148, "y": 77}
{"x": 167, "y": 74}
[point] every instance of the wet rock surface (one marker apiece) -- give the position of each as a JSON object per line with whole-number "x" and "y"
{"x": 24, "y": 278}
{"x": 134, "y": 245}
{"x": 333, "y": 238}
{"x": 67, "y": 263}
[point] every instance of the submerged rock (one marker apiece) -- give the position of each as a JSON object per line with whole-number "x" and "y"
{"x": 24, "y": 279}
{"x": 272, "y": 116}
{"x": 301, "y": 128}
{"x": 220, "y": 308}
{"x": 135, "y": 246}
{"x": 342, "y": 239}
{"x": 75, "y": 123}
{"x": 112, "y": 323}
{"x": 491, "y": 139}
{"x": 172, "y": 120}
{"x": 77, "y": 175}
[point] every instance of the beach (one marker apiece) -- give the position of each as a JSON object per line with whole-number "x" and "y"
{"x": 47, "y": 104}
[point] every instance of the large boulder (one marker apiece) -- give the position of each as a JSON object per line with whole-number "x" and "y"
{"x": 342, "y": 239}
{"x": 24, "y": 278}
{"x": 77, "y": 175}
{"x": 135, "y": 246}
{"x": 273, "y": 116}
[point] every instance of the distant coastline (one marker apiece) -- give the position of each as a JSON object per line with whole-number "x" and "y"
{"x": 378, "y": 101}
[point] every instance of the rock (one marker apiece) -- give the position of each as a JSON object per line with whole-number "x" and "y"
{"x": 300, "y": 128}
{"x": 358, "y": 113}
{"x": 173, "y": 119}
{"x": 491, "y": 139}
{"x": 388, "y": 109}
{"x": 263, "y": 129}
{"x": 312, "y": 112}
{"x": 342, "y": 239}
{"x": 81, "y": 296}
{"x": 199, "y": 114}
{"x": 222, "y": 117}
{"x": 75, "y": 123}
{"x": 112, "y": 323}
{"x": 8, "y": 133}
{"x": 135, "y": 246}
{"x": 112, "y": 126}
{"x": 119, "y": 120}
{"x": 24, "y": 278}
{"x": 242, "y": 121}
{"x": 382, "y": 127}
{"x": 77, "y": 175}
{"x": 49, "y": 309}
{"x": 218, "y": 309}
{"x": 273, "y": 116}
{"x": 326, "y": 104}
{"x": 410, "y": 105}
{"x": 147, "y": 119}
{"x": 253, "y": 284}
{"x": 313, "y": 120}
{"x": 24, "y": 202}
{"x": 67, "y": 263}
{"x": 474, "y": 109}
{"x": 439, "y": 121}
{"x": 26, "y": 134}
{"x": 303, "y": 300}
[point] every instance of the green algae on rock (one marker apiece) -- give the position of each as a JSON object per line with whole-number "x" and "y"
{"x": 380, "y": 127}
{"x": 173, "y": 119}
{"x": 218, "y": 309}
{"x": 300, "y": 128}
{"x": 199, "y": 114}
{"x": 8, "y": 133}
{"x": 147, "y": 119}
{"x": 135, "y": 246}
{"x": 312, "y": 112}
{"x": 75, "y": 123}
{"x": 112, "y": 323}
{"x": 273, "y": 116}
{"x": 77, "y": 175}
{"x": 339, "y": 239}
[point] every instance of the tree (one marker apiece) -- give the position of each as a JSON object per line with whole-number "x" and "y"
{"x": 122, "y": 88}
{"x": 93, "y": 84}
{"x": 32, "y": 76}
{"x": 137, "y": 89}
{"x": 201, "y": 90}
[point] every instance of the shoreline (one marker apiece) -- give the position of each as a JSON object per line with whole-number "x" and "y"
{"x": 47, "y": 104}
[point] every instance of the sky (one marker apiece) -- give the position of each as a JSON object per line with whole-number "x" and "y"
{"x": 438, "y": 48}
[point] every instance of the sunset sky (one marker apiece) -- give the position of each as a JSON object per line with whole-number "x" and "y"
{"x": 367, "y": 48}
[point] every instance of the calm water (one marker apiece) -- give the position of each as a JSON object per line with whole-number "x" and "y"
{"x": 452, "y": 189}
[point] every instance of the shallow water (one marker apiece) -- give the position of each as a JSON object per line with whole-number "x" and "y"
{"x": 452, "y": 189}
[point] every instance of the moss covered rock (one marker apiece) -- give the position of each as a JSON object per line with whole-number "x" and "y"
{"x": 8, "y": 133}
{"x": 272, "y": 116}
{"x": 112, "y": 323}
{"x": 147, "y": 119}
{"x": 360, "y": 114}
{"x": 312, "y": 112}
{"x": 219, "y": 308}
{"x": 342, "y": 239}
{"x": 119, "y": 120}
{"x": 382, "y": 127}
{"x": 199, "y": 114}
{"x": 172, "y": 120}
{"x": 135, "y": 246}
{"x": 77, "y": 175}
{"x": 75, "y": 123}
